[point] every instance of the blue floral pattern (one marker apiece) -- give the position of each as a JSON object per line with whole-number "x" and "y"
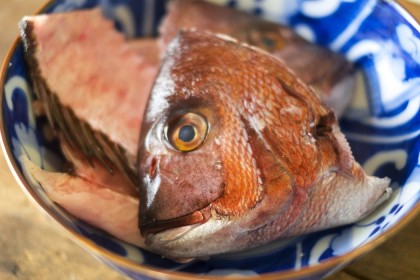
{"x": 382, "y": 124}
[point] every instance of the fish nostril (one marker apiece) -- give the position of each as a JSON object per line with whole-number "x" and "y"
{"x": 153, "y": 168}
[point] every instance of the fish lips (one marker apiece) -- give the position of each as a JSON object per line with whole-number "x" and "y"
{"x": 172, "y": 229}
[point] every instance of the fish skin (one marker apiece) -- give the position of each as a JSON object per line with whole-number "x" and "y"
{"x": 274, "y": 163}
{"x": 327, "y": 72}
{"x": 94, "y": 172}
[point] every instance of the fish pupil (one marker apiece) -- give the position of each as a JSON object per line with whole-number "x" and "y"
{"x": 186, "y": 133}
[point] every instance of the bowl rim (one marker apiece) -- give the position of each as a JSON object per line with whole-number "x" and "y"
{"x": 151, "y": 271}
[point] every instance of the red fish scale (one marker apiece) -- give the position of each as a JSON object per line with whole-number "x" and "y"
{"x": 283, "y": 124}
{"x": 240, "y": 193}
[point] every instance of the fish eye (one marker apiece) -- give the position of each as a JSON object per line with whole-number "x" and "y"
{"x": 266, "y": 39}
{"x": 186, "y": 132}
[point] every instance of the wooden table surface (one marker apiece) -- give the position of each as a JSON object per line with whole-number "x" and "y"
{"x": 32, "y": 247}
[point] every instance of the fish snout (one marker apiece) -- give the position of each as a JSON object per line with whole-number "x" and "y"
{"x": 173, "y": 195}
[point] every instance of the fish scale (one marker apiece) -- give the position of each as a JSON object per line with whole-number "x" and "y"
{"x": 302, "y": 173}
{"x": 227, "y": 205}
{"x": 272, "y": 118}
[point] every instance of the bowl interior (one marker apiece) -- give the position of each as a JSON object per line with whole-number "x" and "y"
{"x": 382, "y": 124}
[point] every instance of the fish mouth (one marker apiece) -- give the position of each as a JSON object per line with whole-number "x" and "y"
{"x": 177, "y": 226}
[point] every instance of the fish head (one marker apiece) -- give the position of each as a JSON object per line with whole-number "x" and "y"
{"x": 232, "y": 143}
{"x": 186, "y": 154}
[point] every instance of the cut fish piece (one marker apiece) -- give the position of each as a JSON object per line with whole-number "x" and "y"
{"x": 93, "y": 84}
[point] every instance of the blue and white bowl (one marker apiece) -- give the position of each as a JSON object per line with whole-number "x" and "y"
{"x": 382, "y": 125}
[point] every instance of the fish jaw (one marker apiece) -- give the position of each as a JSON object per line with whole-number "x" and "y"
{"x": 179, "y": 224}
{"x": 187, "y": 244}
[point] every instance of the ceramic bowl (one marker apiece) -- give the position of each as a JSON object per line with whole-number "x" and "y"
{"x": 382, "y": 125}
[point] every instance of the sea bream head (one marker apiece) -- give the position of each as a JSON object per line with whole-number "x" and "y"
{"x": 235, "y": 152}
